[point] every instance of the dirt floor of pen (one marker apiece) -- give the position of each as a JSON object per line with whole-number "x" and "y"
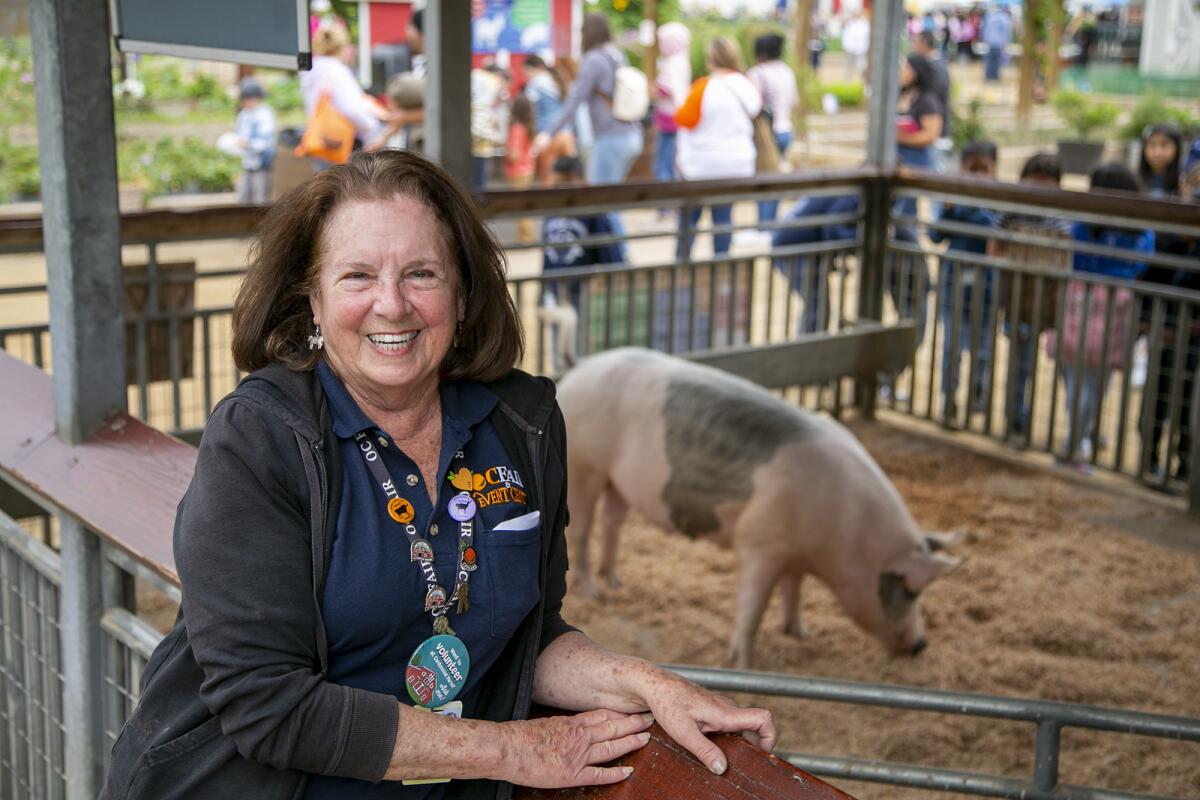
{"x": 1069, "y": 592}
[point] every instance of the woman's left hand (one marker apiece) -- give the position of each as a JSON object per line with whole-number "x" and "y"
{"x": 687, "y": 712}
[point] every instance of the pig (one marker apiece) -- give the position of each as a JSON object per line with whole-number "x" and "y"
{"x": 701, "y": 452}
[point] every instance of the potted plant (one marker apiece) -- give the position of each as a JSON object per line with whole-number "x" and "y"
{"x": 1086, "y": 120}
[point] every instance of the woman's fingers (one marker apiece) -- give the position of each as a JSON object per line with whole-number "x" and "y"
{"x": 609, "y": 749}
{"x": 618, "y": 726}
{"x": 688, "y": 734}
{"x": 598, "y": 776}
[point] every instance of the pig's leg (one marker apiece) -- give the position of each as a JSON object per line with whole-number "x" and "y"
{"x": 615, "y": 509}
{"x": 585, "y": 487}
{"x": 789, "y": 591}
{"x": 756, "y": 579}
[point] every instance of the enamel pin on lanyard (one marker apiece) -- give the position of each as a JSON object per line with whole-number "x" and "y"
{"x": 438, "y": 668}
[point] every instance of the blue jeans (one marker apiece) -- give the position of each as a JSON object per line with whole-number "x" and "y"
{"x": 1022, "y": 346}
{"x": 721, "y": 215}
{"x": 767, "y": 209}
{"x": 977, "y": 345}
{"x": 664, "y": 159}
{"x": 993, "y": 59}
{"x": 612, "y": 156}
{"x": 1091, "y": 389}
{"x": 905, "y": 288}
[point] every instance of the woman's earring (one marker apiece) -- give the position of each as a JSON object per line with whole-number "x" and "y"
{"x": 315, "y": 340}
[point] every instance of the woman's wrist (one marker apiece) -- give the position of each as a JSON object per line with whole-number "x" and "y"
{"x": 430, "y": 746}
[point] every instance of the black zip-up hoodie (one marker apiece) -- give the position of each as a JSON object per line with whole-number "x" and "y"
{"x": 234, "y": 700}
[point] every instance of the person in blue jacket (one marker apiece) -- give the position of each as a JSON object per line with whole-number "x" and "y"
{"x": 803, "y": 272}
{"x": 976, "y": 285}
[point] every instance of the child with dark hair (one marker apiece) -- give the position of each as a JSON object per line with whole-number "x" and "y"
{"x": 1026, "y": 319}
{"x": 1158, "y": 393}
{"x": 519, "y": 164}
{"x": 976, "y": 287}
{"x": 566, "y": 248}
{"x": 1162, "y": 155}
{"x": 1100, "y": 345}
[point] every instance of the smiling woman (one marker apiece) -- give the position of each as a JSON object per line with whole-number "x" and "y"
{"x": 322, "y": 611}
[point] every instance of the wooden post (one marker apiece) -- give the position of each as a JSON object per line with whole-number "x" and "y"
{"x": 803, "y": 33}
{"x": 1028, "y": 66}
{"x": 650, "y": 50}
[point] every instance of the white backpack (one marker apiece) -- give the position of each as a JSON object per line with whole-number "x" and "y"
{"x": 630, "y": 99}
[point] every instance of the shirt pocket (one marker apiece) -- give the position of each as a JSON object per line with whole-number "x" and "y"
{"x": 512, "y": 559}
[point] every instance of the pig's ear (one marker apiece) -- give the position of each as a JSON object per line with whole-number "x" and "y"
{"x": 919, "y": 569}
{"x": 944, "y": 541}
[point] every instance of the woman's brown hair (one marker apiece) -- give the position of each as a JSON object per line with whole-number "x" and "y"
{"x": 723, "y": 54}
{"x": 595, "y": 31}
{"x": 272, "y": 316}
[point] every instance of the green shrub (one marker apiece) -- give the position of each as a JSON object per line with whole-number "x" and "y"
{"x": 1154, "y": 110}
{"x": 173, "y": 166}
{"x": 969, "y": 128}
{"x": 16, "y": 80}
{"x": 1085, "y": 118}
{"x": 284, "y": 95}
{"x": 20, "y": 176}
{"x": 849, "y": 94}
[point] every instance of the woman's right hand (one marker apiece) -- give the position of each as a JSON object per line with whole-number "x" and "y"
{"x": 557, "y": 752}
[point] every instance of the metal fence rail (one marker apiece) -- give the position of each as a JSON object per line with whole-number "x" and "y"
{"x": 1050, "y": 719}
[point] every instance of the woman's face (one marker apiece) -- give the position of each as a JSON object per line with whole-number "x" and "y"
{"x": 387, "y": 299}
{"x": 907, "y": 76}
{"x": 1160, "y": 151}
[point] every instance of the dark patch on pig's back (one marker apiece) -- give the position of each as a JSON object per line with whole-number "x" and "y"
{"x": 717, "y": 434}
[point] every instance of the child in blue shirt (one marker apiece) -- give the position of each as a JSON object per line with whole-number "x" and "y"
{"x": 256, "y": 136}
{"x": 977, "y": 284}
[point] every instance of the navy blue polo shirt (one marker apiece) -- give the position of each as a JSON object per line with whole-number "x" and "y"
{"x": 374, "y": 598}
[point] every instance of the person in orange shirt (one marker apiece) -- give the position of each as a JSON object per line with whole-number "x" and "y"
{"x": 519, "y": 161}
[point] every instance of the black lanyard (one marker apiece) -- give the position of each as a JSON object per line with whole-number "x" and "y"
{"x": 401, "y": 510}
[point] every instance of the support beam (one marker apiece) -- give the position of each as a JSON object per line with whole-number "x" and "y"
{"x": 448, "y": 89}
{"x": 887, "y": 26}
{"x": 78, "y": 155}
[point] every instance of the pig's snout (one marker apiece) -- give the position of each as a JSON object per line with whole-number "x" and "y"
{"x": 918, "y": 647}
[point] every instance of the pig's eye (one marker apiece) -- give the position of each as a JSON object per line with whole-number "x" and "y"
{"x": 894, "y": 596}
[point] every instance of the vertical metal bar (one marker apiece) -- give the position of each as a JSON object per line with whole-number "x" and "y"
{"x": 1073, "y": 421}
{"x": 448, "y": 90}
{"x": 143, "y": 366}
{"x": 1177, "y": 385}
{"x": 1045, "y": 755}
{"x": 974, "y": 337}
{"x": 822, "y": 288}
{"x": 693, "y": 307}
{"x": 843, "y": 273}
{"x": 1131, "y": 323}
{"x": 771, "y": 262}
{"x": 1035, "y": 328}
{"x": 920, "y": 295}
{"x": 788, "y": 331}
{"x": 173, "y": 340}
{"x": 206, "y": 360}
{"x": 712, "y": 305}
{"x": 77, "y": 149}
{"x": 1060, "y": 295}
{"x": 631, "y": 286}
{"x": 608, "y": 321}
{"x": 1150, "y": 394}
{"x": 952, "y": 332}
{"x": 1102, "y": 390}
{"x": 993, "y": 277}
{"x": 671, "y": 309}
{"x": 82, "y": 607}
{"x": 585, "y": 315}
{"x": 39, "y": 351}
{"x": 887, "y": 22}
{"x": 1012, "y": 390}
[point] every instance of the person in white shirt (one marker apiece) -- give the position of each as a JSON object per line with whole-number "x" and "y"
{"x": 776, "y": 82}
{"x": 716, "y": 135}
{"x": 856, "y": 41}
{"x": 330, "y": 75}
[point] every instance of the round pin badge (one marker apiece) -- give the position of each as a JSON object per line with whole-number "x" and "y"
{"x": 437, "y": 670}
{"x": 400, "y": 510}
{"x": 462, "y": 507}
